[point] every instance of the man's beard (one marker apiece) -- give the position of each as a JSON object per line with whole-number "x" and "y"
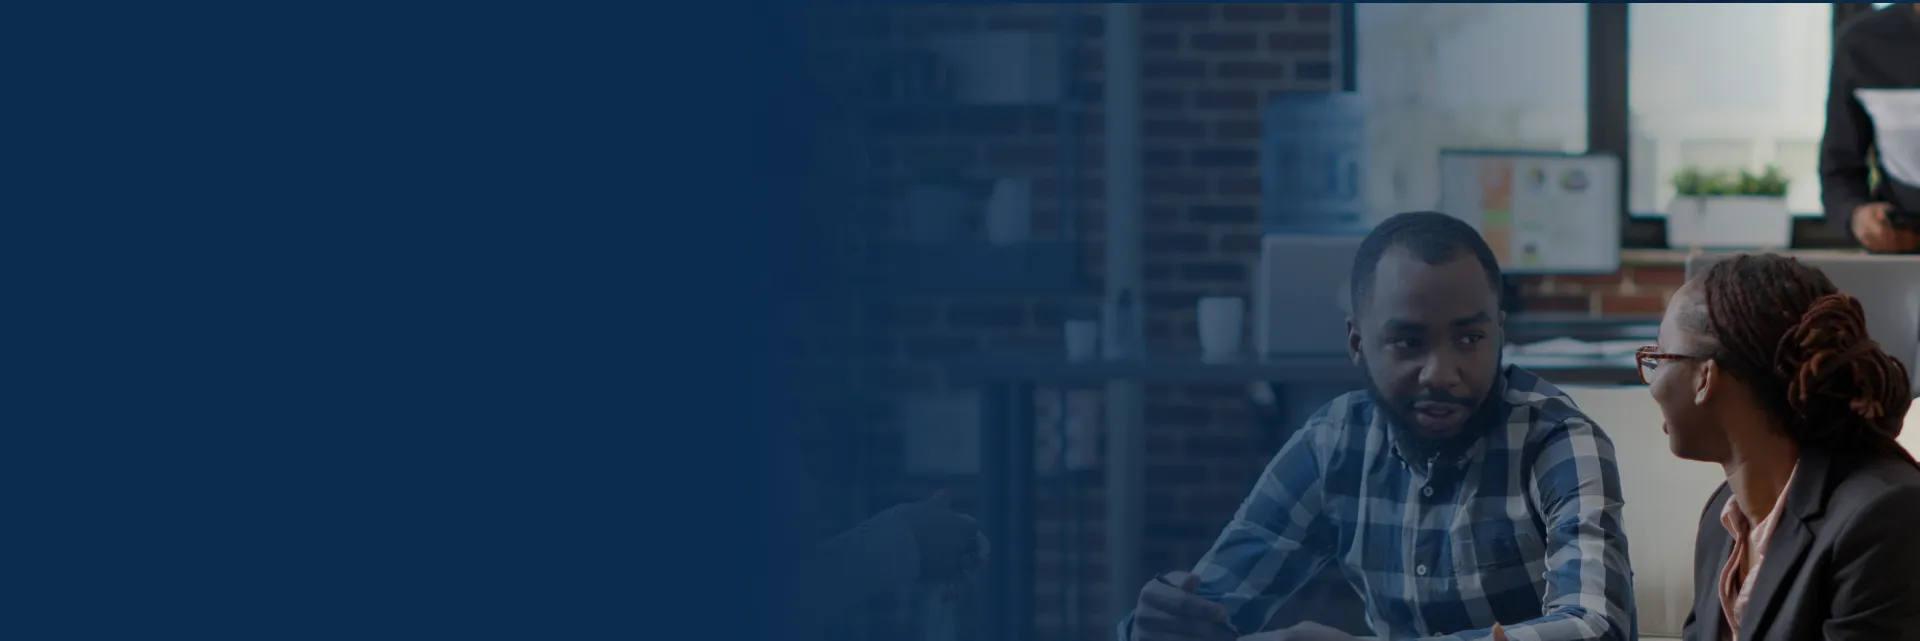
{"x": 1400, "y": 415}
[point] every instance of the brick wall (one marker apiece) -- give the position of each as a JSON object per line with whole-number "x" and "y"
{"x": 1640, "y": 288}
{"x": 1205, "y": 70}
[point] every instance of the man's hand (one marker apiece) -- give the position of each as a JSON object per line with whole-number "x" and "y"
{"x": 1168, "y": 610}
{"x": 969, "y": 563}
{"x": 1870, "y": 225}
{"x": 1302, "y": 632}
{"x": 1310, "y": 631}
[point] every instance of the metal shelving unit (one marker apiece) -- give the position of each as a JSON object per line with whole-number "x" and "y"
{"x": 973, "y": 266}
{"x": 892, "y": 269}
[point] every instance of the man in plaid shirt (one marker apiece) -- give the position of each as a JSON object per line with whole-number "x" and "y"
{"x": 1462, "y": 499}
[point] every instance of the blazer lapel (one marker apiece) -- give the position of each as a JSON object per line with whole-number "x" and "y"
{"x": 1709, "y": 621}
{"x": 1791, "y": 537}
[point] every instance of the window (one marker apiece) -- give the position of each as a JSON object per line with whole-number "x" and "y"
{"x": 1438, "y": 76}
{"x": 1726, "y": 87}
{"x": 1662, "y": 86}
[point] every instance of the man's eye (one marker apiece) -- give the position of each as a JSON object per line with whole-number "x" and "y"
{"x": 1404, "y": 343}
{"x": 1472, "y": 339}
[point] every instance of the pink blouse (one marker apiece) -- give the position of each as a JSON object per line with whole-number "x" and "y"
{"x": 1748, "y": 540}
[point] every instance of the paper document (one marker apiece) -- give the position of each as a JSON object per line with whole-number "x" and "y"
{"x": 1896, "y": 130}
{"x": 1574, "y": 347}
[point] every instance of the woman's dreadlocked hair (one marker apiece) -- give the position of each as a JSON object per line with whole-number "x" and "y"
{"x": 1786, "y": 330}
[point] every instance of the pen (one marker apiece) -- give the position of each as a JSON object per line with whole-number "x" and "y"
{"x": 1227, "y": 627}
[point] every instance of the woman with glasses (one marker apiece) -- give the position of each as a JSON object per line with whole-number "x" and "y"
{"x": 1766, "y": 368}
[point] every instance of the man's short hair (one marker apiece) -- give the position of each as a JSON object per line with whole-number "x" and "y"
{"x": 1430, "y": 236}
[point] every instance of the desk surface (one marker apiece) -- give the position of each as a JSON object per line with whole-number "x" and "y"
{"x": 1052, "y": 367}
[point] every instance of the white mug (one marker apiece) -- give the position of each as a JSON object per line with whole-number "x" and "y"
{"x": 1010, "y": 211}
{"x": 1083, "y": 339}
{"x": 1222, "y": 320}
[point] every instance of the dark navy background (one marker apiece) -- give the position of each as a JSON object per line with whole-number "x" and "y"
{"x": 397, "y": 321}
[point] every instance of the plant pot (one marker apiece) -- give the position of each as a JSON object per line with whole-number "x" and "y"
{"x": 1729, "y": 222}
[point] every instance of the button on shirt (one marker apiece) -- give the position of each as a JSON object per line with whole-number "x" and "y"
{"x": 1749, "y": 540}
{"x": 1522, "y": 529}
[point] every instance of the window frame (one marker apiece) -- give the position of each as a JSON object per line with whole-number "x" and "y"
{"x": 1609, "y": 116}
{"x": 1608, "y": 129}
{"x": 1349, "y": 56}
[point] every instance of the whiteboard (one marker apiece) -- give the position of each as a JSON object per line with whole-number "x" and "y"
{"x": 1541, "y": 212}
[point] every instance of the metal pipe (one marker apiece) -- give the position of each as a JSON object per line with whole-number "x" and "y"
{"x": 1019, "y": 513}
{"x": 1070, "y": 210}
{"x": 1126, "y": 444}
{"x": 996, "y": 507}
{"x": 1069, "y": 122}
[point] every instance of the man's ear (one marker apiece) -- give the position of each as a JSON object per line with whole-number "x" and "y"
{"x": 1353, "y": 341}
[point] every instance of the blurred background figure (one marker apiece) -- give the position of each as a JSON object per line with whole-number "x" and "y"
{"x": 1870, "y": 155}
{"x": 920, "y": 543}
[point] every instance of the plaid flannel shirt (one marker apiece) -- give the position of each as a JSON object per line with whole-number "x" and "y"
{"x": 1524, "y": 529}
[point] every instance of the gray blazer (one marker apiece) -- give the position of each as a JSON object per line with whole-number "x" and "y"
{"x": 1843, "y": 564}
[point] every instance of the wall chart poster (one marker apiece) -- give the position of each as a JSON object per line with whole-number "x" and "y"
{"x": 1539, "y": 212}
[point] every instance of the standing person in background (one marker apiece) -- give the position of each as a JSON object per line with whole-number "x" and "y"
{"x": 1873, "y": 105}
{"x": 920, "y": 543}
{"x": 923, "y": 542}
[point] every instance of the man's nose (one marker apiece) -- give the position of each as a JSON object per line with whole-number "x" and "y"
{"x": 1441, "y": 371}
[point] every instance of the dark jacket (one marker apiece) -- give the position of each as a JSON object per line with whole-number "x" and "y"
{"x": 1878, "y": 52}
{"x": 1843, "y": 562}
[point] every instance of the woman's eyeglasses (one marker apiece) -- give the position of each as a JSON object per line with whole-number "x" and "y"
{"x": 1649, "y": 358}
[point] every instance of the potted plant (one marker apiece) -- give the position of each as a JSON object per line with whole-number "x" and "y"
{"x": 1729, "y": 209}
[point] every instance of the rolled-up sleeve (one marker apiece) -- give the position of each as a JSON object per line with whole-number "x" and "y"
{"x": 1589, "y": 582}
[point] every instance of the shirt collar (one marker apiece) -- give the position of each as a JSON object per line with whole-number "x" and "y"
{"x": 1735, "y": 520}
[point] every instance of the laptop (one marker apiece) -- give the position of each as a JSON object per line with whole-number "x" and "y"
{"x": 1888, "y": 288}
{"x": 1301, "y": 294}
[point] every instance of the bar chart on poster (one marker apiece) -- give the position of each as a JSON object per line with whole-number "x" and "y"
{"x": 1542, "y": 213}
